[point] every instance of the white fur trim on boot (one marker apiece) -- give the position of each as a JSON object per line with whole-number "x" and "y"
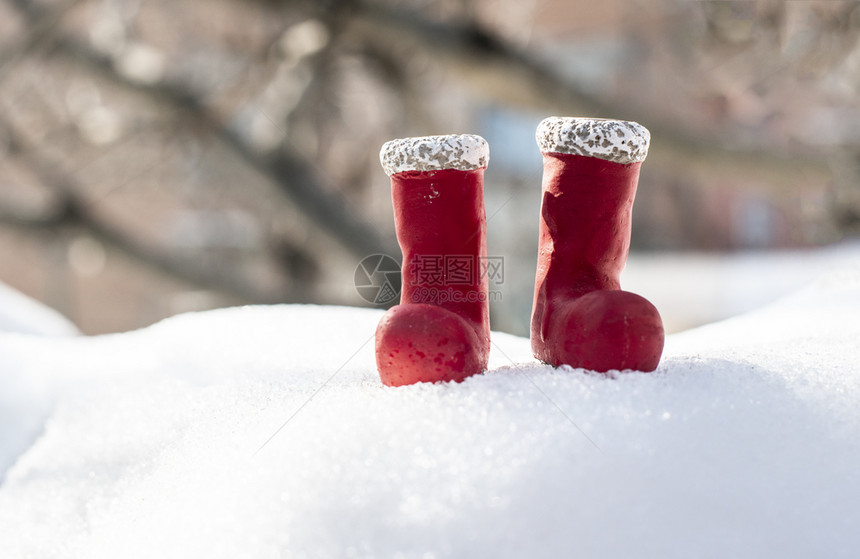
{"x": 464, "y": 152}
{"x": 619, "y": 141}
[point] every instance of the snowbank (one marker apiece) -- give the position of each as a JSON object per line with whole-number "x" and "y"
{"x": 692, "y": 289}
{"x": 19, "y": 313}
{"x": 264, "y": 432}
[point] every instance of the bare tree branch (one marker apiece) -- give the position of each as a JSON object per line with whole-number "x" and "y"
{"x": 71, "y": 210}
{"x": 40, "y": 31}
{"x": 508, "y": 75}
{"x": 290, "y": 171}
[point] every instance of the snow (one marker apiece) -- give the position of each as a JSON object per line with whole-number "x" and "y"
{"x": 19, "y": 313}
{"x": 264, "y": 432}
{"x": 692, "y": 289}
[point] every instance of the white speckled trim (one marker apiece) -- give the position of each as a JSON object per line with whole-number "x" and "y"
{"x": 619, "y": 141}
{"x": 464, "y": 152}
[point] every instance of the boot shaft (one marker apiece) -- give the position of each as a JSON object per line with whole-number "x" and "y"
{"x": 591, "y": 170}
{"x": 437, "y": 189}
{"x": 585, "y": 222}
{"x": 440, "y": 223}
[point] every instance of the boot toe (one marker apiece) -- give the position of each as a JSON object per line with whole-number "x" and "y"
{"x": 606, "y": 330}
{"x": 426, "y": 343}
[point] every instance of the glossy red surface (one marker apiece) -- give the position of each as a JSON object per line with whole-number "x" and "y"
{"x": 580, "y": 316}
{"x": 441, "y": 329}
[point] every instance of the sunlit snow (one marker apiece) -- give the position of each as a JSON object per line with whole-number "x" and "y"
{"x": 265, "y": 432}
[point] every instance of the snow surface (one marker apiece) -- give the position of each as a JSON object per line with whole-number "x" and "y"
{"x": 264, "y": 432}
{"x": 19, "y": 313}
{"x": 692, "y": 289}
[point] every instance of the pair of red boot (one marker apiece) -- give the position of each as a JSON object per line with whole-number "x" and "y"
{"x": 581, "y": 317}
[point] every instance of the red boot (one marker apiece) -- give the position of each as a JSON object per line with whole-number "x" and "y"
{"x": 441, "y": 329}
{"x": 580, "y": 315}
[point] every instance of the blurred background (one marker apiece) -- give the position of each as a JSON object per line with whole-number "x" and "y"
{"x": 163, "y": 156}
